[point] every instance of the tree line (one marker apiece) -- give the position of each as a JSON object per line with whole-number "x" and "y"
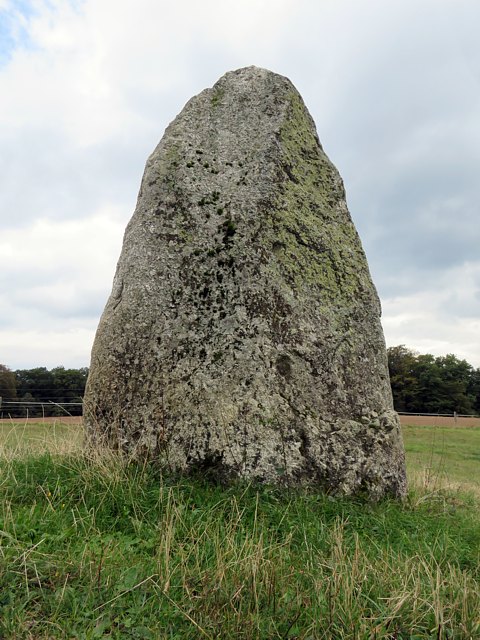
{"x": 421, "y": 383}
{"x": 55, "y": 389}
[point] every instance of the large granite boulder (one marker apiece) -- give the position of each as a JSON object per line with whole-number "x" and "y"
{"x": 242, "y": 337}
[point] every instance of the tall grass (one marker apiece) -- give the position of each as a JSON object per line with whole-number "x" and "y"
{"x": 441, "y": 457}
{"x": 94, "y": 547}
{"x": 19, "y": 439}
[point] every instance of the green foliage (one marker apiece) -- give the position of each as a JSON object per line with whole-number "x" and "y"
{"x": 99, "y": 548}
{"x": 429, "y": 384}
{"x": 8, "y": 387}
{"x": 58, "y": 385}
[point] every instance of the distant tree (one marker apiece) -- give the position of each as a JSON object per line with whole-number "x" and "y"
{"x": 8, "y": 387}
{"x": 29, "y": 410}
{"x": 428, "y": 393}
{"x": 38, "y": 382}
{"x": 424, "y": 383}
{"x": 69, "y": 386}
{"x": 52, "y": 388}
{"x": 401, "y": 365}
{"x": 474, "y": 390}
{"x": 456, "y": 376}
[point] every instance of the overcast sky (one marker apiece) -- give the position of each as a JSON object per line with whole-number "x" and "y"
{"x": 88, "y": 87}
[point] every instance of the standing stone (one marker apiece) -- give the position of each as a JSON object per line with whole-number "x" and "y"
{"x": 242, "y": 337}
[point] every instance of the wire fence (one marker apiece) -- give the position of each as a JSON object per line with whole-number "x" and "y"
{"x": 447, "y": 415}
{"x": 51, "y": 408}
{"x": 37, "y": 409}
{"x": 443, "y": 417}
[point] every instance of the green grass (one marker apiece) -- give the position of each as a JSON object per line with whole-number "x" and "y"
{"x": 20, "y": 439}
{"x": 444, "y": 456}
{"x": 97, "y": 548}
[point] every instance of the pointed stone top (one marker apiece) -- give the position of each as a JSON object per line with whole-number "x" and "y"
{"x": 251, "y": 75}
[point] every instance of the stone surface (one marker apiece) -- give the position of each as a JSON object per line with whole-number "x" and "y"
{"x": 242, "y": 336}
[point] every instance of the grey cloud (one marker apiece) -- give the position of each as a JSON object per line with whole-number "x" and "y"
{"x": 393, "y": 87}
{"x": 410, "y": 163}
{"x": 44, "y": 176}
{"x": 76, "y": 301}
{"x": 456, "y": 305}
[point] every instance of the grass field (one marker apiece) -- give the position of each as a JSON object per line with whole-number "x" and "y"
{"x": 19, "y": 439}
{"x": 444, "y": 456}
{"x": 97, "y": 548}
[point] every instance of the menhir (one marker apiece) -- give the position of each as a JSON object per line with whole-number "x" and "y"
{"x": 242, "y": 337}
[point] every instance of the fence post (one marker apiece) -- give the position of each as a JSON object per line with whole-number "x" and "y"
{"x": 455, "y": 417}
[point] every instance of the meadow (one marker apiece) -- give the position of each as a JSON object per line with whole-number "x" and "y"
{"x": 94, "y": 547}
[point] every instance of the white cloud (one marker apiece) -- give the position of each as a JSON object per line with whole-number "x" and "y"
{"x": 439, "y": 320}
{"x": 46, "y": 347}
{"x": 55, "y": 278}
{"x": 90, "y": 86}
{"x": 81, "y": 246}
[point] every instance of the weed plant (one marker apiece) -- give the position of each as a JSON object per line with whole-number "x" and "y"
{"x": 95, "y": 547}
